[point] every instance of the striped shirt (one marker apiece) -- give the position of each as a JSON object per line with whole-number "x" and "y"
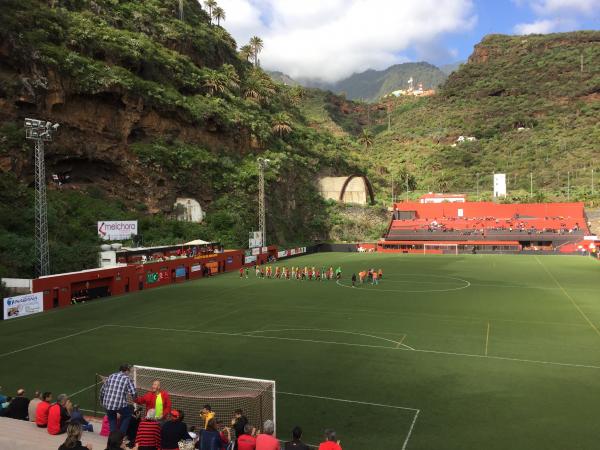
{"x": 114, "y": 391}
{"x": 148, "y": 434}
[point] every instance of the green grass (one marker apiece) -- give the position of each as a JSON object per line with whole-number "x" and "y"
{"x": 537, "y": 388}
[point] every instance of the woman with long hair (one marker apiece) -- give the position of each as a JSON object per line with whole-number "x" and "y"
{"x": 116, "y": 441}
{"x": 73, "y": 440}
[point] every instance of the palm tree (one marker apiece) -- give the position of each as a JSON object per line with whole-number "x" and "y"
{"x": 231, "y": 76}
{"x": 257, "y": 45}
{"x": 282, "y": 124}
{"x": 218, "y": 14}
{"x": 366, "y": 138}
{"x": 246, "y": 52}
{"x": 214, "y": 82}
{"x": 210, "y": 4}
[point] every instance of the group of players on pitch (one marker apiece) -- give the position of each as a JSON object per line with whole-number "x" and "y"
{"x": 294, "y": 273}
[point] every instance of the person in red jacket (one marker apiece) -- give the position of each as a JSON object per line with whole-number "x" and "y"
{"x": 58, "y": 415}
{"x": 41, "y": 412}
{"x": 331, "y": 442}
{"x": 156, "y": 399}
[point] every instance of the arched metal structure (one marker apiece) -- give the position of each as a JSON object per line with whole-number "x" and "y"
{"x": 367, "y": 183}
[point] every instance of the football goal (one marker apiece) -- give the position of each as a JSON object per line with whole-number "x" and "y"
{"x": 437, "y": 248}
{"x": 190, "y": 391}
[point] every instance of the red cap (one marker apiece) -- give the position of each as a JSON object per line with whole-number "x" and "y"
{"x": 175, "y": 414}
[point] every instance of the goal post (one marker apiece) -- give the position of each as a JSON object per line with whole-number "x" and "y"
{"x": 190, "y": 391}
{"x": 440, "y": 248}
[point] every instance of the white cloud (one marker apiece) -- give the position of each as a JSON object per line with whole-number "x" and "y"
{"x": 331, "y": 39}
{"x": 556, "y": 15}
{"x": 537, "y": 27}
{"x": 569, "y": 7}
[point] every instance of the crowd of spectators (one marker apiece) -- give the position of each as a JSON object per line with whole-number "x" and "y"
{"x": 479, "y": 225}
{"x": 161, "y": 428}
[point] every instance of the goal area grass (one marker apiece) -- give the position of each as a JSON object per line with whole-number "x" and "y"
{"x": 447, "y": 352}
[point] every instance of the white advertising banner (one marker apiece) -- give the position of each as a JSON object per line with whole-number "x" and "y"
{"x": 23, "y": 305}
{"x": 282, "y": 254}
{"x": 249, "y": 259}
{"x": 256, "y": 251}
{"x": 196, "y": 268}
{"x": 117, "y": 230}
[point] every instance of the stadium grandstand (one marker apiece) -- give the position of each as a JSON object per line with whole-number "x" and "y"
{"x": 485, "y": 226}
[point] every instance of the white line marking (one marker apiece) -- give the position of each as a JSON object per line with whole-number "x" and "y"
{"x": 84, "y": 389}
{"x": 374, "y": 289}
{"x": 487, "y": 338}
{"x": 398, "y": 343}
{"x": 435, "y": 352}
{"x": 51, "y": 341}
{"x": 410, "y": 430}
{"x": 344, "y": 400}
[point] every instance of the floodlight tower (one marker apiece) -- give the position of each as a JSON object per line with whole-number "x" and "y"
{"x": 262, "y": 218}
{"x": 40, "y": 131}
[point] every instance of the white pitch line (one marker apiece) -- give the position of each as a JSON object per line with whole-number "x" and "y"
{"x": 51, "y": 341}
{"x": 84, "y": 389}
{"x": 344, "y": 400}
{"x": 435, "y": 352}
{"x": 410, "y": 430}
{"x": 398, "y": 343}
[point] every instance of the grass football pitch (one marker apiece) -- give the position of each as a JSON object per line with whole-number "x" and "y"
{"x": 448, "y": 352}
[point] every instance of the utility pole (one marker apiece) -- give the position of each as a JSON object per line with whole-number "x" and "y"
{"x": 392, "y": 189}
{"x": 262, "y": 217}
{"x": 531, "y": 184}
{"x": 40, "y": 131}
{"x": 569, "y": 185}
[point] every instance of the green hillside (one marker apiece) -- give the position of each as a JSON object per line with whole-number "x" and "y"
{"x": 154, "y": 104}
{"x": 533, "y": 105}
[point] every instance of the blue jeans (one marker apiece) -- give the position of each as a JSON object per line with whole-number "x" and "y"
{"x": 125, "y": 413}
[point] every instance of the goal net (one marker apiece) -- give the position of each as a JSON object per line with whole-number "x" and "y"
{"x": 190, "y": 391}
{"x": 443, "y": 249}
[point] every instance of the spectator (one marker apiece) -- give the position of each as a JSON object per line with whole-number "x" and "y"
{"x": 58, "y": 415}
{"x": 113, "y": 396}
{"x": 18, "y": 408}
{"x": 134, "y": 424}
{"x": 173, "y": 431}
{"x": 148, "y": 433}
{"x": 210, "y": 438}
{"x": 266, "y": 440}
{"x": 73, "y": 440}
{"x": 246, "y": 441}
{"x": 116, "y": 441}
{"x": 77, "y": 417}
{"x": 296, "y": 443}
{"x": 3, "y": 400}
{"x": 238, "y": 422}
{"x": 41, "y": 413}
{"x": 207, "y": 414}
{"x": 33, "y": 404}
{"x": 224, "y": 433}
{"x": 156, "y": 399}
{"x": 331, "y": 442}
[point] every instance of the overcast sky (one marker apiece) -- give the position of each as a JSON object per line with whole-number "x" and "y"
{"x": 331, "y": 39}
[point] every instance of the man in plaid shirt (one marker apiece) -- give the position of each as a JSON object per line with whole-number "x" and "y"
{"x": 114, "y": 397}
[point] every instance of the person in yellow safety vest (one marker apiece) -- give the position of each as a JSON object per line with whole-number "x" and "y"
{"x": 206, "y": 415}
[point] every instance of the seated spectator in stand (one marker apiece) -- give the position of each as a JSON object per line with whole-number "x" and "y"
{"x": 246, "y": 441}
{"x": 331, "y": 442}
{"x": 238, "y": 423}
{"x": 210, "y": 438}
{"x": 156, "y": 399}
{"x": 33, "y": 404}
{"x": 77, "y": 417}
{"x": 148, "y": 433}
{"x": 296, "y": 443}
{"x": 58, "y": 415}
{"x": 41, "y": 413}
{"x": 116, "y": 441}
{"x": 19, "y": 406}
{"x": 266, "y": 440}
{"x": 73, "y": 440}
{"x": 207, "y": 414}
{"x": 173, "y": 431}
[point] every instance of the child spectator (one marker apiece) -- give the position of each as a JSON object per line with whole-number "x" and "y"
{"x": 77, "y": 417}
